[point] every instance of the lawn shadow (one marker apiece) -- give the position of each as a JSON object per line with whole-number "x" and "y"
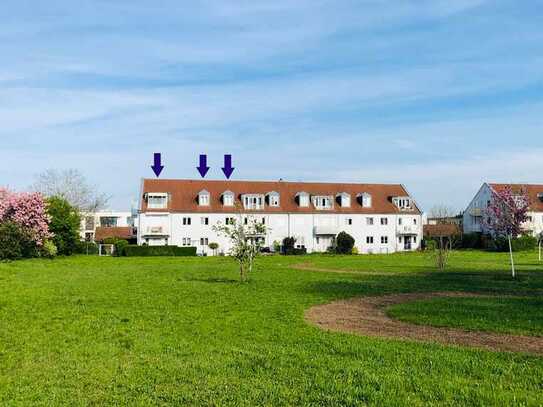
{"x": 213, "y": 280}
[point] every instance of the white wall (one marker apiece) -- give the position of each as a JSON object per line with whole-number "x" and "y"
{"x": 124, "y": 219}
{"x": 300, "y": 226}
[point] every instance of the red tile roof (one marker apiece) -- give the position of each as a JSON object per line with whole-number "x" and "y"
{"x": 118, "y": 232}
{"x": 532, "y": 190}
{"x": 184, "y": 195}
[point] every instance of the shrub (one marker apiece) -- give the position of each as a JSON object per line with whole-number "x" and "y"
{"x": 288, "y": 245}
{"x": 65, "y": 222}
{"x": 344, "y": 243}
{"x": 49, "y": 250}
{"x": 213, "y": 246}
{"x": 522, "y": 243}
{"x": 145, "y": 251}
{"x": 16, "y": 242}
{"x": 120, "y": 246}
{"x": 354, "y": 251}
{"x": 473, "y": 241}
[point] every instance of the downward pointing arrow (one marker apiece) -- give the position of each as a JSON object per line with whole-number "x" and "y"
{"x": 157, "y": 166}
{"x": 203, "y": 168}
{"x": 228, "y": 169}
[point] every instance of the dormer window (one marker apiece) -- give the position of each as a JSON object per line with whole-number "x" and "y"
{"x": 402, "y": 202}
{"x": 323, "y": 202}
{"x": 344, "y": 199}
{"x": 303, "y": 199}
{"x": 157, "y": 200}
{"x": 203, "y": 198}
{"x": 364, "y": 199}
{"x": 540, "y": 196}
{"x": 253, "y": 201}
{"x": 273, "y": 199}
{"x": 228, "y": 198}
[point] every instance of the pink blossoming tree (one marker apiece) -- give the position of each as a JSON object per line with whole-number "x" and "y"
{"x": 28, "y": 210}
{"x": 505, "y": 214}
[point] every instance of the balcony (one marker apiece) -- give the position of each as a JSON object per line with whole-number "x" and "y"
{"x": 408, "y": 230}
{"x": 325, "y": 230}
{"x": 476, "y": 212}
{"x": 155, "y": 231}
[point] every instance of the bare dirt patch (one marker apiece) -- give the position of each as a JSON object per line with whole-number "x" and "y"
{"x": 366, "y": 316}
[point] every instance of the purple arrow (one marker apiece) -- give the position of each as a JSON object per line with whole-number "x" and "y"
{"x": 203, "y": 168}
{"x": 157, "y": 166}
{"x": 228, "y": 169}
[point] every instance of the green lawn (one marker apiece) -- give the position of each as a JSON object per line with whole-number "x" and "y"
{"x": 521, "y": 316}
{"x": 140, "y": 331}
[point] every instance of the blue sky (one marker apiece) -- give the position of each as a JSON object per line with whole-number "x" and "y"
{"x": 439, "y": 95}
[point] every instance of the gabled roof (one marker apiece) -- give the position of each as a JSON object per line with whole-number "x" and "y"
{"x": 532, "y": 190}
{"x": 183, "y": 193}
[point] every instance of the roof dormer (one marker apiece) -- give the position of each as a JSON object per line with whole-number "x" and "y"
{"x": 323, "y": 202}
{"x": 344, "y": 199}
{"x": 303, "y": 199}
{"x": 403, "y": 202}
{"x": 227, "y": 198}
{"x": 364, "y": 199}
{"x": 203, "y": 198}
{"x": 273, "y": 199}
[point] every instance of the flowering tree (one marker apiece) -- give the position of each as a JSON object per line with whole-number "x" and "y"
{"x": 505, "y": 214}
{"x": 27, "y": 210}
{"x": 246, "y": 239}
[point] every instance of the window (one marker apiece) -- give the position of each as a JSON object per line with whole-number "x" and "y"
{"x": 204, "y": 241}
{"x": 323, "y": 202}
{"x": 273, "y": 198}
{"x": 204, "y": 221}
{"x": 384, "y": 239}
{"x": 365, "y": 200}
{"x": 403, "y": 202}
{"x": 157, "y": 201}
{"x": 303, "y": 199}
{"x": 369, "y": 239}
{"x": 246, "y": 221}
{"x": 187, "y": 221}
{"x": 384, "y": 221}
{"x": 349, "y": 221}
{"x": 228, "y": 198}
{"x": 399, "y": 239}
{"x": 89, "y": 223}
{"x": 187, "y": 241}
{"x": 414, "y": 239}
{"x": 414, "y": 221}
{"x": 263, "y": 221}
{"x": 344, "y": 199}
{"x": 203, "y": 198}
{"x": 254, "y": 202}
{"x": 229, "y": 221}
{"x": 369, "y": 221}
{"x": 399, "y": 221}
{"x": 108, "y": 221}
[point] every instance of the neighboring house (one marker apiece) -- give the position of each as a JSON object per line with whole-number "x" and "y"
{"x": 90, "y": 222}
{"x": 128, "y": 233}
{"x": 381, "y": 218}
{"x": 475, "y": 212}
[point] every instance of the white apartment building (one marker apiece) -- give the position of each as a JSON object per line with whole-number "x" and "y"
{"x": 381, "y": 218}
{"x": 105, "y": 219}
{"x": 475, "y": 212}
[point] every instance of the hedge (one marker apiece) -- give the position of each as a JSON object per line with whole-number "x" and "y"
{"x": 519, "y": 244}
{"x": 144, "y": 251}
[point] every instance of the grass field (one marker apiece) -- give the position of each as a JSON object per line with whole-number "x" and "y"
{"x": 140, "y": 331}
{"x": 520, "y": 316}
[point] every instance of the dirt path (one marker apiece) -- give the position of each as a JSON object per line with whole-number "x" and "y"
{"x": 366, "y": 316}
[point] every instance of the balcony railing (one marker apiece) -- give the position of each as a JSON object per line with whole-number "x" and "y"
{"x": 408, "y": 230}
{"x": 325, "y": 230}
{"x": 156, "y": 231}
{"x": 476, "y": 212}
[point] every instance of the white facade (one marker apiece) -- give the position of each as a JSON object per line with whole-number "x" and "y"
{"x": 90, "y": 221}
{"x": 474, "y": 213}
{"x": 376, "y": 232}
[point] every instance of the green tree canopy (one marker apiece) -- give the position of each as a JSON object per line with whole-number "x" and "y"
{"x": 64, "y": 224}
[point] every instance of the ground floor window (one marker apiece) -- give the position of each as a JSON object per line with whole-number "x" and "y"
{"x": 186, "y": 241}
{"x": 204, "y": 241}
{"x": 369, "y": 239}
{"x": 384, "y": 239}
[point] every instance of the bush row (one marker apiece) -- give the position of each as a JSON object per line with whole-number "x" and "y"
{"x": 481, "y": 241}
{"x": 145, "y": 251}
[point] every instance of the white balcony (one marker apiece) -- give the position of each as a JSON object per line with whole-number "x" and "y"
{"x": 408, "y": 230}
{"x": 156, "y": 231}
{"x": 476, "y": 212}
{"x": 325, "y": 230}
